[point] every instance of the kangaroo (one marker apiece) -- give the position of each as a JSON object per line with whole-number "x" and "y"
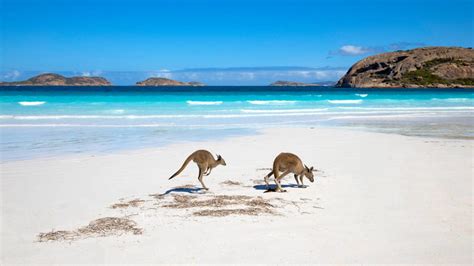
{"x": 289, "y": 163}
{"x": 205, "y": 162}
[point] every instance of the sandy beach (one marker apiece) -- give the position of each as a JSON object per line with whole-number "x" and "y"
{"x": 377, "y": 198}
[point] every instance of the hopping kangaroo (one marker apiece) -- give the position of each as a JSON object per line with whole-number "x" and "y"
{"x": 289, "y": 163}
{"x": 205, "y": 162}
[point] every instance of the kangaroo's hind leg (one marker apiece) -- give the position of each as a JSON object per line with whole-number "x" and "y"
{"x": 201, "y": 173}
{"x": 266, "y": 178}
{"x": 277, "y": 180}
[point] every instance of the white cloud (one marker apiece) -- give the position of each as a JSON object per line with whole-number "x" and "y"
{"x": 233, "y": 76}
{"x": 247, "y": 75}
{"x": 353, "y": 50}
{"x": 11, "y": 75}
{"x": 161, "y": 74}
{"x": 94, "y": 73}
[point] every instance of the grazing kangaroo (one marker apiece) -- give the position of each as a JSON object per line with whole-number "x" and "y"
{"x": 289, "y": 163}
{"x": 205, "y": 162}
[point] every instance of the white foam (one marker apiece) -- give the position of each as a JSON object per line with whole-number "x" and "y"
{"x": 362, "y": 95}
{"x": 57, "y": 117}
{"x": 345, "y": 101}
{"x": 116, "y": 111}
{"x": 409, "y": 108}
{"x": 282, "y": 110}
{"x": 134, "y": 117}
{"x": 204, "y": 102}
{"x": 35, "y": 103}
{"x": 459, "y": 99}
{"x": 275, "y": 102}
{"x": 86, "y": 125}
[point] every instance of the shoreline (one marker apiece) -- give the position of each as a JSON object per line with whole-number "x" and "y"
{"x": 251, "y": 132}
{"x": 418, "y": 187}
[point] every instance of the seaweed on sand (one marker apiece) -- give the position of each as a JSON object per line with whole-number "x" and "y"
{"x": 102, "y": 227}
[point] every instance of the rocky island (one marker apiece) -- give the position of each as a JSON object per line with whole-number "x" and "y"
{"x": 292, "y": 83}
{"x": 167, "y": 82}
{"x": 50, "y": 79}
{"x": 432, "y": 67}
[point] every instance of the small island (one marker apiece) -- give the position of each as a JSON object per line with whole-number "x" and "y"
{"x": 292, "y": 83}
{"x": 428, "y": 67}
{"x": 51, "y": 79}
{"x": 167, "y": 82}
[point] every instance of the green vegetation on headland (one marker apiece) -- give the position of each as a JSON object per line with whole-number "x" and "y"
{"x": 425, "y": 77}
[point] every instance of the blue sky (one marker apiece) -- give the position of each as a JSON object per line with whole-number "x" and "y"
{"x": 163, "y": 38}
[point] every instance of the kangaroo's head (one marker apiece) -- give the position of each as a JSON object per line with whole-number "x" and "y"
{"x": 220, "y": 160}
{"x": 308, "y": 172}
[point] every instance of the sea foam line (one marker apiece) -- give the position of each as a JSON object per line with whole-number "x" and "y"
{"x": 34, "y": 103}
{"x": 132, "y": 117}
{"x": 275, "y": 102}
{"x": 87, "y": 125}
{"x": 244, "y": 113}
{"x": 453, "y": 99}
{"x": 408, "y": 108}
{"x": 345, "y": 101}
{"x": 204, "y": 102}
{"x": 362, "y": 95}
{"x": 251, "y": 111}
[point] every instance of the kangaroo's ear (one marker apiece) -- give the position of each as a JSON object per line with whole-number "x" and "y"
{"x": 306, "y": 167}
{"x": 219, "y": 157}
{"x": 311, "y": 169}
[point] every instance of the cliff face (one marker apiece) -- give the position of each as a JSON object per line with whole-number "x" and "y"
{"x": 58, "y": 80}
{"x": 440, "y": 67}
{"x": 167, "y": 82}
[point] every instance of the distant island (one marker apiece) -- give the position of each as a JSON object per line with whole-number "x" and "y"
{"x": 292, "y": 83}
{"x": 167, "y": 82}
{"x": 50, "y": 79}
{"x": 433, "y": 67}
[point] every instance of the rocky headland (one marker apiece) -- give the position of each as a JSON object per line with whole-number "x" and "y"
{"x": 429, "y": 67}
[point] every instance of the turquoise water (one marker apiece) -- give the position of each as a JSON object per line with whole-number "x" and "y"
{"x": 50, "y": 121}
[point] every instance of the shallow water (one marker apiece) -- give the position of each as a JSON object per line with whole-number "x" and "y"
{"x": 50, "y": 121}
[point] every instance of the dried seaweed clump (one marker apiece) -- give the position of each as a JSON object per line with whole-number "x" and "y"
{"x": 185, "y": 202}
{"x": 226, "y": 212}
{"x": 57, "y": 236}
{"x": 218, "y": 205}
{"x": 102, "y": 227}
{"x": 133, "y": 203}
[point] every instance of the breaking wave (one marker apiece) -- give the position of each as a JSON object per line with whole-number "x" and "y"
{"x": 204, "y": 102}
{"x": 345, "y": 101}
{"x": 35, "y": 103}
{"x": 275, "y": 102}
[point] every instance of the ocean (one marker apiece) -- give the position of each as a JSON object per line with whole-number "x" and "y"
{"x": 38, "y": 122}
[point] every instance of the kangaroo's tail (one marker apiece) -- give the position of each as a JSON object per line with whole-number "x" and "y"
{"x": 190, "y": 157}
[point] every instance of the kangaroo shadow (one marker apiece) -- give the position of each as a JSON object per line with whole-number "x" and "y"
{"x": 183, "y": 190}
{"x": 273, "y": 187}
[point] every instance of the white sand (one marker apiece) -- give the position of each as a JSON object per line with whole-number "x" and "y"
{"x": 380, "y": 199}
